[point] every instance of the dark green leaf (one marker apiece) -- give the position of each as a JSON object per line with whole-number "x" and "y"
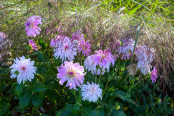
{"x": 109, "y": 78}
{"x": 51, "y": 94}
{"x": 4, "y": 71}
{"x": 3, "y": 86}
{"x": 53, "y": 83}
{"x": 88, "y": 111}
{"x": 37, "y": 100}
{"x": 43, "y": 70}
{"x": 18, "y": 89}
{"x": 123, "y": 96}
{"x": 92, "y": 78}
{"x": 66, "y": 111}
{"x": 69, "y": 107}
{"x": 99, "y": 112}
{"x": 4, "y": 108}
{"x": 76, "y": 109}
{"x": 118, "y": 113}
{"x": 62, "y": 113}
{"x": 39, "y": 88}
{"x": 25, "y": 97}
{"x": 160, "y": 108}
{"x": 40, "y": 57}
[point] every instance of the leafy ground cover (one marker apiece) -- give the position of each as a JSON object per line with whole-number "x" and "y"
{"x": 105, "y": 57}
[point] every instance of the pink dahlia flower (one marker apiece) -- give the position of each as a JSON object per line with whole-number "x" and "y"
{"x": 31, "y": 25}
{"x": 127, "y": 48}
{"x": 64, "y": 48}
{"x": 32, "y": 45}
{"x": 84, "y": 47}
{"x": 91, "y": 92}
{"x": 72, "y": 73}
{"x": 154, "y": 75}
{"x": 23, "y": 69}
{"x": 103, "y": 59}
{"x": 78, "y": 36}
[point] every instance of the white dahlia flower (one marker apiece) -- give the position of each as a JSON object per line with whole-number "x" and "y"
{"x": 23, "y": 69}
{"x": 65, "y": 48}
{"x": 91, "y": 92}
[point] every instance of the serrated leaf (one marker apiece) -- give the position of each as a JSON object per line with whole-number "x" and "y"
{"x": 18, "y": 89}
{"x": 69, "y": 107}
{"x": 25, "y": 97}
{"x": 122, "y": 95}
{"x": 40, "y": 57}
{"x": 118, "y": 113}
{"x": 37, "y": 100}
{"x": 76, "y": 109}
{"x": 3, "y": 86}
{"x": 62, "y": 113}
{"x": 39, "y": 88}
{"x": 43, "y": 70}
{"x": 88, "y": 112}
{"x": 4, "y": 106}
{"x": 67, "y": 110}
{"x": 99, "y": 112}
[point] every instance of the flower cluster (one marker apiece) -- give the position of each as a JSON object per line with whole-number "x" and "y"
{"x": 72, "y": 73}
{"x": 2, "y": 40}
{"x": 127, "y": 48}
{"x": 83, "y": 46}
{"x": 78, "y": 36}
{"x": 102, "y": 59}
{"x": 91, "y": 92}
{"x": 23, "y": 69}
{"x": 64, "y": 47}
{"x": 154, "y": 75}
{"x": 144, "y": 58}
{"x": 32, "y": 45}
{"x": 31, "y": 25}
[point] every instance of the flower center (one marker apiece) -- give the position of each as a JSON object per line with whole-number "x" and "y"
{"x": 93, "y": 89}
{"x": 30, "y": 24}
{"x": 71, "y": 74}
{"x": 66, "y": 47}
{"x": 23, "y": 68}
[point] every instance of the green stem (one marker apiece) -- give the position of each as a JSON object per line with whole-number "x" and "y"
{"x": 99, "y": 79}
{"x": 153, "y": 107}
{"x": 105, "y": 88}
{"x": 110, "y": 110}
{"x": 75, "y": 95}
{"x": 138, "y": 82}
{"x": 128, "y": 81}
